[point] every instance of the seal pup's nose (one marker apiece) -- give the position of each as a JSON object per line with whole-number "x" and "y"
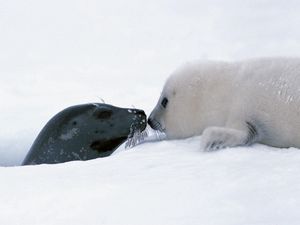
{"x": 150, "y": 122}
{"x": 154, "y": 124}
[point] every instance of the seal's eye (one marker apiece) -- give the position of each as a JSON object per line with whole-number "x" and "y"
{"x": 164, "y": 102}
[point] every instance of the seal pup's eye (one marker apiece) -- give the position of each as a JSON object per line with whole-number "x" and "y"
{"x": 164, "y": 102}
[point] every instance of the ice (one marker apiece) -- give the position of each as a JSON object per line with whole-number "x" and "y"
{"x": 167, "y": 182}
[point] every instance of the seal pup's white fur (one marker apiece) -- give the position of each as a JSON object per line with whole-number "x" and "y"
{"x": 232, "y": 103}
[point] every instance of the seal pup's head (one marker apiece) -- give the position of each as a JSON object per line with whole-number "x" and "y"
{"x": 174, "y": 113}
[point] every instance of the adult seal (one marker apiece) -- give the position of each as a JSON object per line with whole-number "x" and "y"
{"x": 84, "y": 132}
{"x": 232, "y": 103}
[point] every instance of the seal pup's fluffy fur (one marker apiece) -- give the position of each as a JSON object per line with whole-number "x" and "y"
{"x": 232, "y": 103}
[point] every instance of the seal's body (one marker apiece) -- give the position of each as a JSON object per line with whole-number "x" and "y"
{"x": 233, "y": 104}
{"x": 84, "y": 132}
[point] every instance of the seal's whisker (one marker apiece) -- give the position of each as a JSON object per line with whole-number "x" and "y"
{"x": 147, "y": 135}
{"x": 136, "y": 138}
{"x": 101, "y": 99}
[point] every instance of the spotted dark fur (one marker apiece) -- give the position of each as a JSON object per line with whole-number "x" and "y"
{"x": 84, "y": 132}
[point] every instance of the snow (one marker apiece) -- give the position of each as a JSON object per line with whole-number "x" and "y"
{"x": 170, "y": 182}
{"x": 55, "y": 54}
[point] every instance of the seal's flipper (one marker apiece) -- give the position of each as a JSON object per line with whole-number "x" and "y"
{"x": 214, "y": 138}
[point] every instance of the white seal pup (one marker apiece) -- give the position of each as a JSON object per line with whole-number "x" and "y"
{"x": 232, "y": 103}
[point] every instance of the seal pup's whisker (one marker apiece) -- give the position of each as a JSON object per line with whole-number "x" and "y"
{"x": 160, "y": 135}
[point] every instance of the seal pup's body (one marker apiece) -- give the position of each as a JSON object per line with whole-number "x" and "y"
{"x": 232, "y": 104}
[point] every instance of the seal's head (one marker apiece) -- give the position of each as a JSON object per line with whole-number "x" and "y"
{"x": 85, "y": 132}
{"x": 177, "y": 107}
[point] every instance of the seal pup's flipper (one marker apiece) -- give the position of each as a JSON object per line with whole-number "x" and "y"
{"x": 215, "y": 138}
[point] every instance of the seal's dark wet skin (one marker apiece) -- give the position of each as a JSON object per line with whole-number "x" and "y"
{"x": 85, "y": 132}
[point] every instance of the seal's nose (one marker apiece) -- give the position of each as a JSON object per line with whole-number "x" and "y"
{"x": 140, "y": 113}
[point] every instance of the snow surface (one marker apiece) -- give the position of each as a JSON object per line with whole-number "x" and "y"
{"x": 58, "y": 53}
